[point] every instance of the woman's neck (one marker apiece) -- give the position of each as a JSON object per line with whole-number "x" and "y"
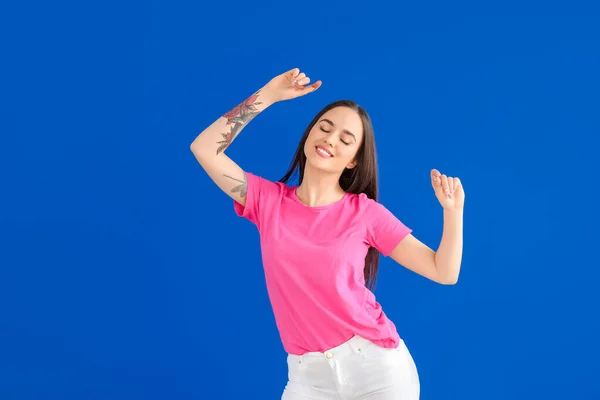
{"x": 319, "y": 189}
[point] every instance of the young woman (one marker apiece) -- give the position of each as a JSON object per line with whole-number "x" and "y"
{"x": 321, "y": 242}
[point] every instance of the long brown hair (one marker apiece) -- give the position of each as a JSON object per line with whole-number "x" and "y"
{"x": 360, "y": 179}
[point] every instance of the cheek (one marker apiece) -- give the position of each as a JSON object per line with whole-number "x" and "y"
{"x": 342, "y": 160}
{"x": 307, "y": 147}
{"x": 313, "y": 136}
{"x": 347, "y": 153}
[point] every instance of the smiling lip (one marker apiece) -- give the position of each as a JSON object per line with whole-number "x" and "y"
{"x": 323, "y": 152}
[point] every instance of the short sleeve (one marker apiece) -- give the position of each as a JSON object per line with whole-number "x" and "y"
{"x": 384, "y": 229}
{"x": 260, "y": 194}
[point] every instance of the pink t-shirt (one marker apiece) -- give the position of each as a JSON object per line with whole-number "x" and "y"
{"x": 313, "y": 260}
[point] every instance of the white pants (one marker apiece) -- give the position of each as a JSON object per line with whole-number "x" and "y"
{"x": 355, "y": 370}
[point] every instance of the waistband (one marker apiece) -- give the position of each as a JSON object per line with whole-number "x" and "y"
{"x": 350, "y": 347}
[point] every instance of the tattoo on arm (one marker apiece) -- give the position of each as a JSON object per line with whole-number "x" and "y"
{"x": 242, "y": 186}
{"x": 238, "y": 118}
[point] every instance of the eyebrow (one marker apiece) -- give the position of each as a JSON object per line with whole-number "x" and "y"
{"x": 345, "y": 130}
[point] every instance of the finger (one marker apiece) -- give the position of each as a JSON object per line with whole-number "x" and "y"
{"x": 457, "y": 185}
{"x": 444, "y": 179}
{"x": 435, "y": 176}
{"x": 303, "y": 81}
{"x": 291, "y": 75}
{"x": 435, "y": 179}
{"x": 451, "y": 185}
{"x": 296, "y": 80}
{"x": 311, "y": 88}
{"x": 293, "y": 72}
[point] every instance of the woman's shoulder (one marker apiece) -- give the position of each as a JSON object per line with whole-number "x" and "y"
{"x": 360, "y": 203}
{"x": 266, "y": 184}
{"x": 360, "y": 199}
{"x": 364, "y": 205}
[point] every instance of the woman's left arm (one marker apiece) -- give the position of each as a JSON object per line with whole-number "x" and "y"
{"x": 442, "y": 266}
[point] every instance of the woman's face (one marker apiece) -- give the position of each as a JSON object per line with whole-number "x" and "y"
{"x": 334, "y": 140}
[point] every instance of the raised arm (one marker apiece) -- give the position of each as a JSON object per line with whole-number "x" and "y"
{"x": 210, "y": 145}
{"x": 441, "y": 266}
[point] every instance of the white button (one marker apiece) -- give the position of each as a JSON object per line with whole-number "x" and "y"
{"x": 329, "y": 355}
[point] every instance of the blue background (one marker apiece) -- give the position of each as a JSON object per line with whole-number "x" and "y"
{"x": 125, "y": 274}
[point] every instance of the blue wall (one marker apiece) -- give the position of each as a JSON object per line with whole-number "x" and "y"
{"x": 125, "y": 274}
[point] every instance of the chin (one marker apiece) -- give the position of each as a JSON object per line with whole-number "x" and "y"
{"x": 321, "y": 165}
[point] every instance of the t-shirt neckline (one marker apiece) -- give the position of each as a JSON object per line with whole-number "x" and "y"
{"x": 297, "y": 200}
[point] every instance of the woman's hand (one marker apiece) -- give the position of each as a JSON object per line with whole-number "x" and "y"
{"x": 449, "y": 191}
{"x": 289, "y": 85}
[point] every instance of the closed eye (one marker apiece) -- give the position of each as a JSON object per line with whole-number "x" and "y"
{"x": 346, "y": 143}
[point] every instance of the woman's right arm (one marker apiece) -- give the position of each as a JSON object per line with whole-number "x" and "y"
{"x": 209, "y": 147}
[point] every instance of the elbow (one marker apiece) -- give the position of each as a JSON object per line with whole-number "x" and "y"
{"x": 448, "y": 273}
{"x": 449, "y": 281}
{"x": 198, "y": 145}
{"x": 202, "y": 150}
{"x": 196, "y": 149}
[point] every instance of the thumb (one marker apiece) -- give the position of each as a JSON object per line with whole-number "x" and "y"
{"x": 311, "y": 88}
